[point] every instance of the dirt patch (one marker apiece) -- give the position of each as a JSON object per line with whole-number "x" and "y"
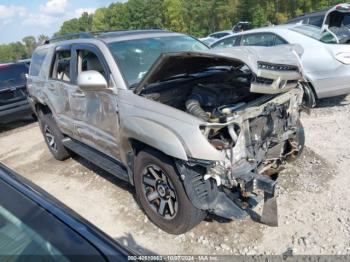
{"x": 310, "y": 173}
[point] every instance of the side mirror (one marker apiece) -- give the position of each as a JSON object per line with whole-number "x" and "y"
{"x": 92, "y": 81}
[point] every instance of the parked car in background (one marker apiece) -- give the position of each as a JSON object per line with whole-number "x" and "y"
{"x": 242, "y": 26}
{"x": 193, "y": 131}
{"x": 13, "y": 92}
{"x": 35, "y": 226}
{"x": 336, "y": 16}
{"x": 325, "y": 56}
{"x": 215, "y": 36}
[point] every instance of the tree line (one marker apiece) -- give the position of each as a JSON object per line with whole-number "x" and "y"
{"x": 20, "y": 49}
{"x": 194, "y": 17}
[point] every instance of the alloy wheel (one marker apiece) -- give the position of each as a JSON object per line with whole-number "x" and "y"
{"x": 50, "y": 138}
{"x": 159, "y": 192}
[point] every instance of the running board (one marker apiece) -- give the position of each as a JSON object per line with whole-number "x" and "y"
{"x": 99, "y": 159}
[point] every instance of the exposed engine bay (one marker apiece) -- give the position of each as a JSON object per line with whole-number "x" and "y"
{"x": 206, "y": 94}
{"x": 217, "y": 96}
{"x": 251, "y": 117}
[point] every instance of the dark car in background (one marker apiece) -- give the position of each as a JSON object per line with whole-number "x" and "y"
{"x": 242, "y": 26}
{"x": 36, "y": 227}
{"x": 13, "y": 93}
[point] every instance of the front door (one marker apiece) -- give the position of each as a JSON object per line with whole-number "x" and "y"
{"x": 94, "y": 112}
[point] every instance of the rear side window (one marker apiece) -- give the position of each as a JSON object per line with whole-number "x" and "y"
{"x": 226, "y": 43}
{"x": 280, "y": 41}
{"x": 61, "y": 66}
{"x": 12, "y": 75}
{"x": 261, "y": 39}
{"x": 37, "y": 61}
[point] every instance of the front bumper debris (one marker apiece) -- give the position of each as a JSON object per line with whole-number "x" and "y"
{"x": 233, "y": 188}
{"x": 205, "y": 195}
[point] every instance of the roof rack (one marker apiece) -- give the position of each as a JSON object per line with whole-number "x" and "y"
{"x": 79, "y": 35}
{"x": 85, "y": 35}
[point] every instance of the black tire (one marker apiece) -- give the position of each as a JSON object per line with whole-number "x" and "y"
{"x": 184, "y": 216}
{"x": 310, "y": 98}
{"x": 48, "y": 127}
{"x": 34, "y": 117}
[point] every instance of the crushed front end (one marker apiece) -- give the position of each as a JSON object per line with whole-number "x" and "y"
{"x": 256, "y": 139}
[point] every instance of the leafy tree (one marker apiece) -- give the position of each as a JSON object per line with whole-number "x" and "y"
{"x": 259, "y": 17}
{"x": 42, "y": 38}
{"x": 196, "y": 17}
{"x": 12, "y": 52}
{"x": 75, "y": 25}
{"x": 100, "y": 21}
{"x": 30, "y": 44}
{"x": 173, "y": 15}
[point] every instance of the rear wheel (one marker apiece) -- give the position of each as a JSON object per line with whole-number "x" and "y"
{"x": 53, "y": 136}
{"x": 161, "y": 194}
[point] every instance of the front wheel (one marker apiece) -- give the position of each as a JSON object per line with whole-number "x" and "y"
{"x": 161, "y": 194}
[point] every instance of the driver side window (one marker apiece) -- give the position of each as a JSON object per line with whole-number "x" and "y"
{"x": 88, "y": 60}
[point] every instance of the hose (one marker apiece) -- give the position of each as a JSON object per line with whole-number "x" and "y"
{"x": 194, "y": 108}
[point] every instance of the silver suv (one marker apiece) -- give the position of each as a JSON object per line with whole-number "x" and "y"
{"x": 195, "y": 132}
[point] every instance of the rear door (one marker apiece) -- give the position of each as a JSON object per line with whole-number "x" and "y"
{"x": 60, "y": 87}
{"x": 94, "y": 112}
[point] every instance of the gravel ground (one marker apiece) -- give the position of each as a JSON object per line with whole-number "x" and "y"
{"x": 313, "y": 195}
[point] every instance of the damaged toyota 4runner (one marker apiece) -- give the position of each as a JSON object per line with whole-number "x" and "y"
{"x": 195, "y": 132}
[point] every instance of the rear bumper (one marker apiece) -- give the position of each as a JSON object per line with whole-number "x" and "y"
{"x": 15, "y": 110}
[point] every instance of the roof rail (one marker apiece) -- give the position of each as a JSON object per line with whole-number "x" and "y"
{"x": 69, "y": 37}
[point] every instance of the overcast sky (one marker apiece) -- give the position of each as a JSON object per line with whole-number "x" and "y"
{"x": 19, "y": 18}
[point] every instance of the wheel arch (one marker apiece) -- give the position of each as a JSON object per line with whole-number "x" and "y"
{"x": 134, "y": 147}
{"x": 38, "y": 106}
{"x": 138, "y": 133}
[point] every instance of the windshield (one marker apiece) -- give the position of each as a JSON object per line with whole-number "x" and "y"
{"x": 13, "y": 75}
{"x": 333, "y": 35}
{"x": 135, "y": 57}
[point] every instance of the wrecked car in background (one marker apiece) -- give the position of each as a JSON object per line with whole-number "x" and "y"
{"x": 324, "y": 56}
{"x": 13, "y": 92}
{"x": 193, "y": 131}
